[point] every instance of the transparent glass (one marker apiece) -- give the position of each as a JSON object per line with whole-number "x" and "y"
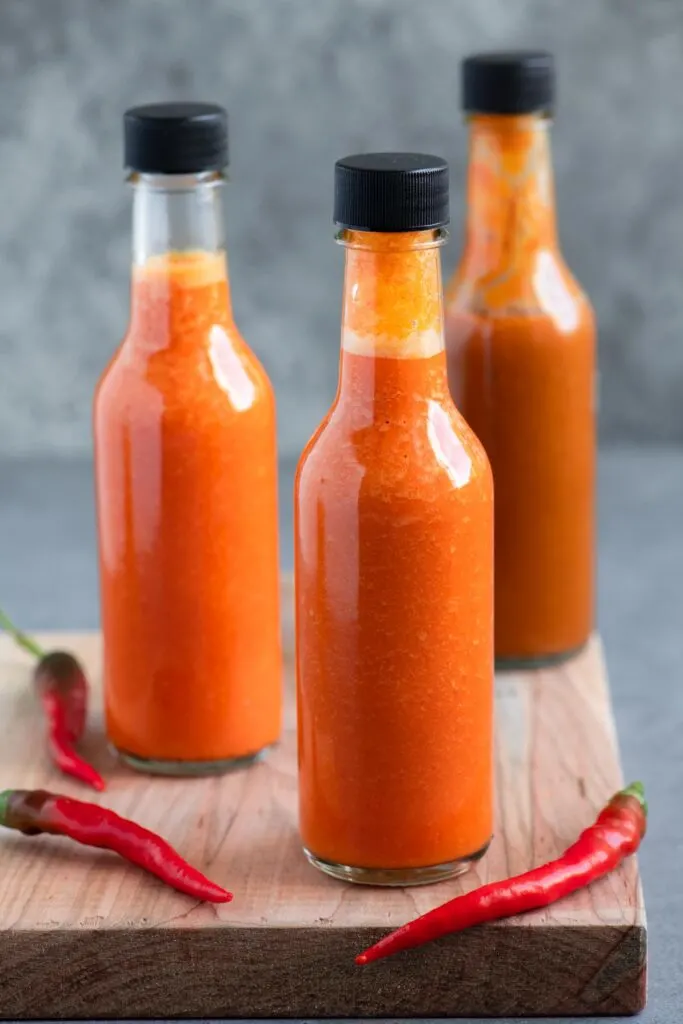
{"x": 186, "y": 471}
{"x": 394, "y": 602}
{"x": 520, "y": 338}
{"x": 176, "y": 213}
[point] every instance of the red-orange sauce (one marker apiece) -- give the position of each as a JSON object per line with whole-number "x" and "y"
{"x": 394, "y": 568}
{"x": 187, "y": 513}
{"x": 520, "y": 337}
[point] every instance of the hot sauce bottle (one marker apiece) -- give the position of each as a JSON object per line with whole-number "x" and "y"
{"x": 185, "y": 458}
{"x": 394, "y": 561}
{"x": 520, "y": 336}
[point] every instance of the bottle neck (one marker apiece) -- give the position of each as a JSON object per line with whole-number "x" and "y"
{"x": 176, "y": 213}
{"x": 510, "y": 194}
{"x": 392, "y": 314}
{"x": 178, "y": 255}
{"x": 392, "y": 305}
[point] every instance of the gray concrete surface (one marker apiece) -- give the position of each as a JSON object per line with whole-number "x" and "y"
{"x": 305, "y": 83}
{"x": 48, "y": 579}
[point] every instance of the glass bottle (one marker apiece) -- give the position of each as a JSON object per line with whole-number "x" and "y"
{"x": 185, "y": 460}
{"x": 520, "y": 337}
{"x": 394, "y": 561}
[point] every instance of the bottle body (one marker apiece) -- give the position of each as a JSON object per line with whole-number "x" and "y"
{"x": 393, "y": 559}
{"x": 185, "y": 456}
{"x": 520, "y": 338}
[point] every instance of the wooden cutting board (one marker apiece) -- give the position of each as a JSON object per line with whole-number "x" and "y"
{"x": 83, "y": 935}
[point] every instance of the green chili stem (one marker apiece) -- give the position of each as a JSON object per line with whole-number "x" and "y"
{"x": 4, "y": 805}
{"x": 637, "y": 790}
{"x": 21, "y": 639}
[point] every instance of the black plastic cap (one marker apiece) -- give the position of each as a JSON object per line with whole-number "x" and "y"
{"x": 391, "y": 192}
{"x": 508, "y": 83}
{"x": 176, "y": 138}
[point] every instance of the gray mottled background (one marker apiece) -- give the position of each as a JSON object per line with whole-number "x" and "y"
{"x": 307, "y": 81}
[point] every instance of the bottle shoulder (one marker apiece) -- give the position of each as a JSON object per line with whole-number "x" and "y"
{"x": 218, "y": 372}
{"x": 435, "y": 452}
{"x": 545, "y": 288}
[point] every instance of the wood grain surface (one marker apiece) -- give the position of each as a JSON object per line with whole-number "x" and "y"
{"x": 83, "y": 935}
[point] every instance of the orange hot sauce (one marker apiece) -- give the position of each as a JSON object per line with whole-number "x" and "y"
{"x": 520, "y": 336}
{"x": 394, "y": 565}
{"x": 186, "y": 495}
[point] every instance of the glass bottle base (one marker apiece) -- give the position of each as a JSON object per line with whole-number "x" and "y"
{"x": 396, "y": 877}
{"x": 152, "y": 766}
{"x": 511, "y": 663}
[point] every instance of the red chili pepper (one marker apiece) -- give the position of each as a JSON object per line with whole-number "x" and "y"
{"x": 63, "y": 691}
{"x": 616, "y": 834}
{"x": 36, "y": 811}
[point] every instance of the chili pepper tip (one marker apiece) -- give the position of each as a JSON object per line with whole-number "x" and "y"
{"x": 90, "y": 778}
